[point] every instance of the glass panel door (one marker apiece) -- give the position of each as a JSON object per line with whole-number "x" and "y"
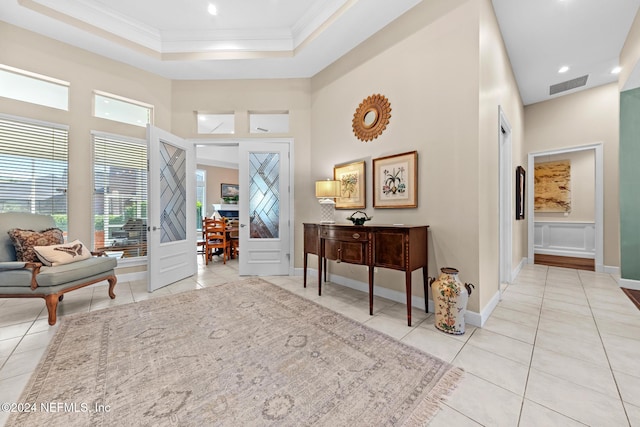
{"x": 264, "y": 195}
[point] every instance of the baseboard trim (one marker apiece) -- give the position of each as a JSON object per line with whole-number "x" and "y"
{"x": 470, "y": 317}
{"x": 610, "y": 269}
{"x": 629, "y": 284}
{"x": 518, "y": 268}
{"x": 479, "y": 319}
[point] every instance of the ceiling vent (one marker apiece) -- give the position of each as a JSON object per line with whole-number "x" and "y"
{"x": 569, "y": 84}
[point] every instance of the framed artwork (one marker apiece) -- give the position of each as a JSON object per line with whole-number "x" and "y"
{"x": 229, "y": 190}
{"x": 352, "y": 179}
{"x": 520, "y": 192}
{"x": 395, "y": 181}
{"x": 553, "y": 186}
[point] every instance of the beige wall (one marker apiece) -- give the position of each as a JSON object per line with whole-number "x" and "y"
{"x": 433, "y": 86}
{"x": 577, "y": 119}
{"x": 434, "y": 111}
{"x": 85, "y": 72}
{"x": 498, "y": 87}
{"x": 583, "y": 196}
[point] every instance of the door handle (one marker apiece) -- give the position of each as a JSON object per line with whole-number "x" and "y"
{"x": 154, "y": 228}
{"x": 243, "y": 225}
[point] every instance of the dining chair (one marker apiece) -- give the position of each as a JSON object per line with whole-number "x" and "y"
{"x": 234, "y": 236}
{"x": 215, "y": 235}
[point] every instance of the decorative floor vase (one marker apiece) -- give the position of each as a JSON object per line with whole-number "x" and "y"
{"x": 450, "y": 298}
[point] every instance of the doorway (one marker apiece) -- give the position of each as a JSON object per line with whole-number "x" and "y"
{"x": 265, "y": 233}
{"x": 598, "y": 224}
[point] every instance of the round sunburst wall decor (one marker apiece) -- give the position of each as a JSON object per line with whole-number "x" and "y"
{"x": 371, "y": 117}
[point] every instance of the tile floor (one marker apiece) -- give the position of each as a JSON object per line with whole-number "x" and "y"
{"x": 561, "y": 349}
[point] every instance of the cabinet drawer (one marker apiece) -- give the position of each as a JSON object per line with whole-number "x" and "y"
{"x": 345, "y": 235}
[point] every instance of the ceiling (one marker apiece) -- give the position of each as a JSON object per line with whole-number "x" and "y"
{"x": 179, "y": 39}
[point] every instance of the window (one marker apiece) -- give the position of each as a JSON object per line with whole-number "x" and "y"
{"x": 34, "y": 168}
{"x": 201, "y": 196}
{"x": 216, "y": 123}
{"x": 34, "y": 88}
{"x": 120, "y": 195}
{"x": 119, "y": 109}
{"x": 275, "y": 122}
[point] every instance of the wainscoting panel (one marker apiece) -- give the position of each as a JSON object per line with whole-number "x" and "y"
{"x": 574, "y": 239}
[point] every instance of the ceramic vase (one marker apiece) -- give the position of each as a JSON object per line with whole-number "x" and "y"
{"x": 450, "y": 297}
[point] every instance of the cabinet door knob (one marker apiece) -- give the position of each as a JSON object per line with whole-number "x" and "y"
{"x": 356, "y": 236}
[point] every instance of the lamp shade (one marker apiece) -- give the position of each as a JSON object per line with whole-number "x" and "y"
{"x": 327, "y": 189}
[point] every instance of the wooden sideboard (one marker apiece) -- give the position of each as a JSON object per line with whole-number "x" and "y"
{"x": 398, "y": 247}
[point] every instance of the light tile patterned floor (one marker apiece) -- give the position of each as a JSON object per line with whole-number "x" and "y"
{"x": 561, "y": 349}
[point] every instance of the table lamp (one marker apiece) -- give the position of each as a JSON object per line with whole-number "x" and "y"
{"x": 326, "y": 191}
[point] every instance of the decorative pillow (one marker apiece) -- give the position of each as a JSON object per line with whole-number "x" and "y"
{"x": 62, "y": 254}
{"x": 25, "y": 240}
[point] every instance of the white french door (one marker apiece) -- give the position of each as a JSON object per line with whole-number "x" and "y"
{"x": 265, "y": 207}
{"x": 171, "y": 235}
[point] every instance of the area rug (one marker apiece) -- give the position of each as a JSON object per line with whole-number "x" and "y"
{"x": 245, "y": 353}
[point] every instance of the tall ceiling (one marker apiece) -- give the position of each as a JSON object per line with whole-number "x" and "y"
{"x": 179, "y": 39}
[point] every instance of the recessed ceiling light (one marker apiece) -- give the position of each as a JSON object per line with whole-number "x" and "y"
{"x": 616, "y": 70}
{"x": 563, "y": 69}
{"x": 212, "y": 9}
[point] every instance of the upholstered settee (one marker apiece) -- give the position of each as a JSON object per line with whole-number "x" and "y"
{"x": 33, "y": 279}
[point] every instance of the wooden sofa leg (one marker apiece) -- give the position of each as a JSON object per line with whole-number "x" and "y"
{"x": 52, "y": 307}
{"x": 112, "y": 284}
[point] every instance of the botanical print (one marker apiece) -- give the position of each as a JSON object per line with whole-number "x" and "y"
{"x": 552, "y": 186}
{"x": 349, "y": 185}
{"x": 352, "y": 185}
{"x": 394, "y": 181}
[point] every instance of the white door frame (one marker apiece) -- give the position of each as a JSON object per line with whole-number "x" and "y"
{"x": 599, "y": 198}
{"x": 236, "y": 142}
{"x": 505, "y": 200}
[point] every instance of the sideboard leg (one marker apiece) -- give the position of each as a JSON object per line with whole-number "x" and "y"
{"x": 320, "y": 262}
{"x": 371, "y": 290}
{"x": 407, "y": 278}
{"x": 425, "y": 283}
{"x": 305, "y": 270}
{"x": 325, "y": 269}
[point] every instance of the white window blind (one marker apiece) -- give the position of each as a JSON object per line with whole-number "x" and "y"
{"x": 120, "y": 195}
{"x": 34, "y": 168}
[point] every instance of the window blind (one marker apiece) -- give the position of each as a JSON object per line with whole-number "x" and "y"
{"x": 120, "y": 195}
{"x": 34, "y": 168}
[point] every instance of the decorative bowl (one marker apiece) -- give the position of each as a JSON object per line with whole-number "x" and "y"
{"x": 359, "y": 220}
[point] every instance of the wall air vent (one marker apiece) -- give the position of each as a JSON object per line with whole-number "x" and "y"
{"x": 569, "y": 84}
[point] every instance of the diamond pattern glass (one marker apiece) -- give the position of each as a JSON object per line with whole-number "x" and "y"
{"x": 264, "y": 195}
{"x": 173, "y": 193}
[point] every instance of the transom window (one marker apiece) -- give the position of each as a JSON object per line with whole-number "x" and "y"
{"x": 119, "y": 109}
{"x": 35, "y": 88}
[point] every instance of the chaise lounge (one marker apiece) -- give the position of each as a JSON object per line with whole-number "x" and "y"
{"x": 33, "y": 279}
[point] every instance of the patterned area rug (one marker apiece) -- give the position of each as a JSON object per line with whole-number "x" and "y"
{"x": 246, "y": 353}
